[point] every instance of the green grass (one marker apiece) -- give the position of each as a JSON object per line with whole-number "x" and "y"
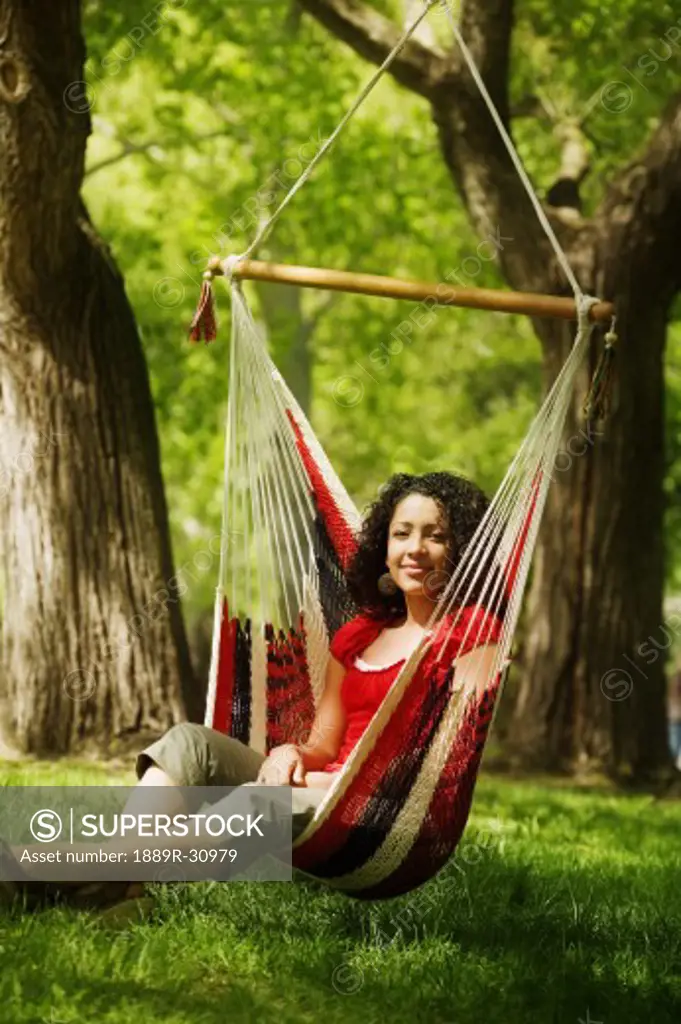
{"x": 559, "y": 901}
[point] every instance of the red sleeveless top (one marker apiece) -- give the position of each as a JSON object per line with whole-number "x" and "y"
{"x": 363, "y": 690}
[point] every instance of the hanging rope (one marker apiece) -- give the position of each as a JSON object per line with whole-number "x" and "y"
{"x": 204, "y": 323}
{"x": 513, "y": 153}
{"x": 404, "y": 39}
{"x": 597, "y": 402}
{"x": 543, "y": 219}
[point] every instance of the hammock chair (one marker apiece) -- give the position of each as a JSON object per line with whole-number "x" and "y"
{"x": 395, "y": 812}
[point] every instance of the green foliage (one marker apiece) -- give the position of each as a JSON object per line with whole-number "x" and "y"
{"x": 595, "y": 62}
{"x": 214, "y": 112}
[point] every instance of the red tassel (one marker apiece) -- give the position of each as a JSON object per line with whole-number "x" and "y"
{"x": 204, "y": 324}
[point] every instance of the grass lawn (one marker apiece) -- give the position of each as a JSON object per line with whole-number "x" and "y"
{"x": 562, "y": 904}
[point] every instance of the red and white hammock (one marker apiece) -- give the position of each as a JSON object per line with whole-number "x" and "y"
{"x": 396, "y": 810}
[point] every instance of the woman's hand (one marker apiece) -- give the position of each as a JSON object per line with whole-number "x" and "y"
{"x": 283, "y": 767}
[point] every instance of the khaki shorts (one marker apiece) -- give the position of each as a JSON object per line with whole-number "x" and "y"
{"x": 194, "y": 755}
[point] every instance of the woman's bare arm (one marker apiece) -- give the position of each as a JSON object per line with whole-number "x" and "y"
{"x": 476, "y": 669}
{"x": 326, "y": 734}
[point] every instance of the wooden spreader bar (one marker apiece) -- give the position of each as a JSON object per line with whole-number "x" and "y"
{"x": 443, "y": 294}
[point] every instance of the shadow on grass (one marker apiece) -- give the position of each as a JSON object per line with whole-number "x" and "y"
{"x": 555, "y": 953}
{"x": 498, "y": 941}
{"x": 536, "y": 931}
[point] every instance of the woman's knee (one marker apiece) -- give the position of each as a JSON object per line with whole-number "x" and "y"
{"x": 183, "y": 753}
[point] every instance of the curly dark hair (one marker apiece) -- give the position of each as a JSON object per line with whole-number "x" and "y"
{"x": 462, "y": 505}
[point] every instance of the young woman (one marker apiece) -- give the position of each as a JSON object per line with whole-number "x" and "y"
{"x": 411, "y": 540}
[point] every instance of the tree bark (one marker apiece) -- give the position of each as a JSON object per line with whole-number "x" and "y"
{"x": 93, "y": 643}
{"x": 596, "y": 592}
{"x": 598, "y": 576}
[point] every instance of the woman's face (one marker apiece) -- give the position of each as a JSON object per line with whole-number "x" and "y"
{"x": 418, "y": 543}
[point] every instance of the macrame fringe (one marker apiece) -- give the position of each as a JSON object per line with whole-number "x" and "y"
{"x": 597, "y": 402}
{"x": 204, "y": 325}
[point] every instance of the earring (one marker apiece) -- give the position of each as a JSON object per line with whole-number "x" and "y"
{"x": 386, "y": 585}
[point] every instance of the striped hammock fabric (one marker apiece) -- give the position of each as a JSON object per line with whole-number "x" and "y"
{"x": 396, "y": 810}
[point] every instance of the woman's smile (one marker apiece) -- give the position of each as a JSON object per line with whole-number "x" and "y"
{"x": 417, "y": 549}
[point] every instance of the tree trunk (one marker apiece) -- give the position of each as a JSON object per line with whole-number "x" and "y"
{"x": 93, "y": 644}
{"x": 598, "y": 575}
{"x": 592, "y": 690}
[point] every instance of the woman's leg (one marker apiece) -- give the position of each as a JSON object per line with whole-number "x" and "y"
{"x": 191, "y": 755}
{"x": 194, "y": 755}
{"x": 187, "y": 755}
{"x": 199, "y": 756}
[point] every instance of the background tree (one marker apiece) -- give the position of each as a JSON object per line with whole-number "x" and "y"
{"x": 199, "y": 119}
{"x": 477, "y": 376}
{"x": 599, "y": 576}
{"x": 91, "y": 648}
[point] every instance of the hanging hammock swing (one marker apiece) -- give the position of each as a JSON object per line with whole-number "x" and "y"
{"x": 395, "y": 812}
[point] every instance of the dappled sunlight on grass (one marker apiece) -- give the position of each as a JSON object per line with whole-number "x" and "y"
{"x": 556, "y": 900}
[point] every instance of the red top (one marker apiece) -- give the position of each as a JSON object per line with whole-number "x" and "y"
{"x": 363, "y": 690}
